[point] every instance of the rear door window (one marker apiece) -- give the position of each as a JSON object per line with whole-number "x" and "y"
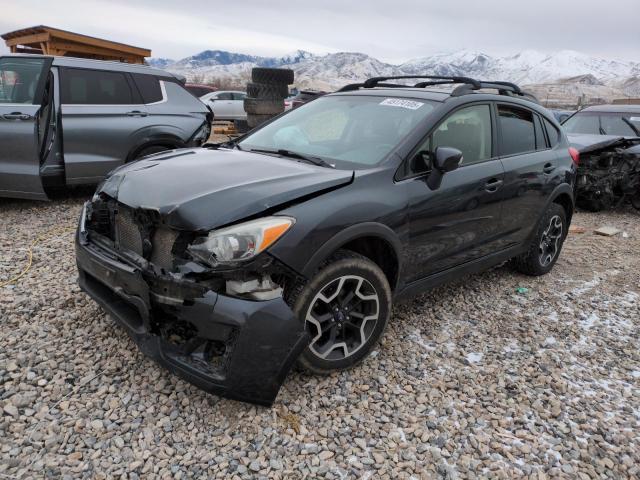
{"x": 95, "y": 87}
{"x": 239, "y": 96}
{"x": 517, "y": 130}
{"x": 225, "y": 96}
{"x": 149, "y": 87}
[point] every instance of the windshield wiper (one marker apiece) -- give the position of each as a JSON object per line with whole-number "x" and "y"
{"x": 300, "y": 156}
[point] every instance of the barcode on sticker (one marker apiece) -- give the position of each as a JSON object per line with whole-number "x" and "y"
{"x": 401, "y": 102}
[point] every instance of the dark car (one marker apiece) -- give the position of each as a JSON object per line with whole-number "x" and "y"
{"x": 198, "y": 89}
{"x": 305, "y": 96}
{"x": 562, "y": 115}
{"x": 231, "y": 263}
{"x": 616, "y": 120}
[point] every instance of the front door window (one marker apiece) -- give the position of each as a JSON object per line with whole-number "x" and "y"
{"x": 19, "y": 79}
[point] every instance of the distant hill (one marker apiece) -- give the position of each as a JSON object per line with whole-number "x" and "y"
{"x": 572, "y": 74}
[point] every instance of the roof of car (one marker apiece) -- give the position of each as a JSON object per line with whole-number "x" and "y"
{"x": 411, "y": 92}
{"x": 613, "y": 108}
{"x": 99, "y": 64}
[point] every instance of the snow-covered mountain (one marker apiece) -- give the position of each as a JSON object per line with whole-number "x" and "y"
{"x": 331, "y": 71}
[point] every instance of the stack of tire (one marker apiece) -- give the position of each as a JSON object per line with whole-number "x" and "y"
{"x": 266, "y": 93}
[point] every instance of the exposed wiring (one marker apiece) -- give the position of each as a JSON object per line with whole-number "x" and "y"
{"x": 50, "y": 233}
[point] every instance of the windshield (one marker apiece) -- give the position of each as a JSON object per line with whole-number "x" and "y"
{"x": 600, "y": 123}
{"x": 347, "y": 131}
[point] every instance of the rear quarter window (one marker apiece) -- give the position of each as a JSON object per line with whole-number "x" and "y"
{"x": 149, "y": 87}
{"x": 553, "y": 134}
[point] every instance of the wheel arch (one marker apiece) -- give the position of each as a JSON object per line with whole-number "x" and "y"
{"x": 165, "y": 140}
{"x": 375, "y": 241}
{"x": 563, "y": 196}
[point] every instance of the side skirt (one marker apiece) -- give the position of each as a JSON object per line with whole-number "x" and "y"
{"x": 474, "y": 266}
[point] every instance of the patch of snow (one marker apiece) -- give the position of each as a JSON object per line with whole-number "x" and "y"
{"x": 474, "y": 357}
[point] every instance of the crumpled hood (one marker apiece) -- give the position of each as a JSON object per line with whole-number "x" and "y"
{"x": 200, "y": 189}
{"x": 587, "y": 143}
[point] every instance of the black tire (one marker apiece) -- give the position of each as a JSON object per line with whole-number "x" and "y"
{"x": 545, "y": 247}
{"x": 151, "y": 150}
{"x": 351, "y": 324}
{"x": 259, "y": 106}
{"x": 272, "y": 75}
{"x": 268, "y": 91}
{"x": 254, "y": 121}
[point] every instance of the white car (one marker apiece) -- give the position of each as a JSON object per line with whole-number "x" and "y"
{"x": 226, "y": 105}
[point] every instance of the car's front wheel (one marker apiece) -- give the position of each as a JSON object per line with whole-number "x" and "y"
{"x": 345, "y": 307}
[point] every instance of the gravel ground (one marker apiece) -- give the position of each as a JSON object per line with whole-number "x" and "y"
{"x": 471, "y": 380}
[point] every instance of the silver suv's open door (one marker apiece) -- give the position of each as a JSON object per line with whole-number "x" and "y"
{"x": 23, "y": 130}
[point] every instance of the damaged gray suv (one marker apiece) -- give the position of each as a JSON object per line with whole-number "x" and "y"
{"x": 230, "y": 263}
{"x": 69, "y": 121}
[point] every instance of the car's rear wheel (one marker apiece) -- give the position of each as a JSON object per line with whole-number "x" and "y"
{"x": 546, "y": 244}
{"x": 345, "y": 307}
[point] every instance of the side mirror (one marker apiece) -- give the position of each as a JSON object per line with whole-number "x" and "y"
{"x": 446, "y": 159}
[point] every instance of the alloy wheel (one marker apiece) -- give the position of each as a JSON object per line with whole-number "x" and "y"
{"x": 341, "y": 317}
{"x": 550, "y": 241}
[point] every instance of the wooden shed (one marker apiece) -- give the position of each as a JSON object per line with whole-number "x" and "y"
{"x": 53, "y": 41}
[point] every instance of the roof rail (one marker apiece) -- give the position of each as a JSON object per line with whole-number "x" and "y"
{"x": 468, "y": 85}
{"x": 375, "y": 82}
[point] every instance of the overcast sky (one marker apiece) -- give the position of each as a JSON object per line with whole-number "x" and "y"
{"x": 392, "y": 31}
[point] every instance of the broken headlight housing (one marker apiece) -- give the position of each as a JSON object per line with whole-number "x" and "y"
{"x": 240, "y": 242}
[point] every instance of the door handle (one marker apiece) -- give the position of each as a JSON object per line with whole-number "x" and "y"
{"x": 548, "y": 168}
{"x": 16, "y": 116}
{"x": 137, "y": 113}
{"x": 493, "y": 185}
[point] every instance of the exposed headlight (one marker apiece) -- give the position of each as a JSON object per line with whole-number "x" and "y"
{"x": 240, "y": 242}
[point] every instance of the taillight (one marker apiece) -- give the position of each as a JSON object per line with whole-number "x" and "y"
{"x": 575, "y": 156}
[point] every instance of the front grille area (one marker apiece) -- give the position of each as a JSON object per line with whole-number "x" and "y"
{"x": 128, "y": 235}
{"x": 163, "y": 241}
{"x": 134, "y": 231}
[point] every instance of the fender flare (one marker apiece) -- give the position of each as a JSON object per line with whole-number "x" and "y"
{"x": 560, "y": 190}
{"x": 164, "y": 139}
{"x": 367, "y": 229}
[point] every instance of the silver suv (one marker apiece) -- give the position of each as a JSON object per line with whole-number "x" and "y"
{"x": 69, "y": 121}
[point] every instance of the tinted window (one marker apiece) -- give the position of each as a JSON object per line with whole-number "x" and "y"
{"x": 224, "y": 96}
{"x": 350, "y": 131}
{"x": 541, "y": 142}
{"x": 617, "y": 125}
{"x": 239, "y": 96}
{"x": 604, "y": 123}
{"x": 19, "y": 78}
{"x": 149, "y": 87}
{"x": 552, "y": 133}
{"x": 468, "y": 130}
{"x": 517, "y": 130}
{"x": 95, "y": 87}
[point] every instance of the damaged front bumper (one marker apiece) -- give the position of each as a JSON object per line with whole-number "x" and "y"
{"x": 233, "y": 347}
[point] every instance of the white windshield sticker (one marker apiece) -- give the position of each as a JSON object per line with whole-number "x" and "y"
{"x": 401, "y": 102}
{"x": 634, "y": 119}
